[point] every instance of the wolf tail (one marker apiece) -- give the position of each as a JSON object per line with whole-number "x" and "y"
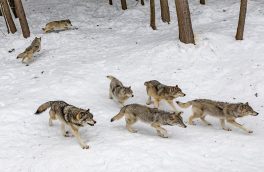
{"x": 184, "y": 105}
{"x": 43, "y": 107}
{"x": 110, "y": 77}
{"x": 120, "y": 114}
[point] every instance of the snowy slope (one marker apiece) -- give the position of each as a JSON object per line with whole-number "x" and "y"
{"x": 72, "y": 66}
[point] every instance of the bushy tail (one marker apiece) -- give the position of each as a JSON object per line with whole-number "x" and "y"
{"x": 21, "y": 55}
{"x": 43, "y": 107}
{"x": 110, "y": 77}
{"x": 184, "y": 105}
{"x": 119, "y": 115}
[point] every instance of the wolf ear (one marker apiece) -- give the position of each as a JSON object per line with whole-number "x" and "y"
{"x": 246, "y": 103}
{"x": 129, "y": 87}
{"x": 172, "y": 116}
{"x": 88, "y": 110}
{"x": 179, "y": 113}
{"x": 176, "y": 86}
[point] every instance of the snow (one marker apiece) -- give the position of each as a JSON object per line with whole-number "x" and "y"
{"x": 72, "y": 66}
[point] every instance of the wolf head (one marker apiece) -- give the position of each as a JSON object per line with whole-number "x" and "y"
{"x": 244, "y": 109}
{"x": 176, "y": 119}
{"x": 85, "y": 117}
{"x": 175, "y": 91}
{"x": 127, "y": 91}
{"x": 37, "y": 39}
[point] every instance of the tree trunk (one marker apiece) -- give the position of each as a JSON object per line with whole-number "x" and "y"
{"x": 152, "y": 14}
{"x": 110, "y": 2}
{"x": 124, "y": 4}
{"x": 22, "y": 18}
{"x": 202, "y": 2}
{"x": 12, "y": 6}
{"x": 184, "y": 22}
{"x": 242, "y": 19}
{"x": 165, "y": 11}
{"x": 142, "y": 2}
{"x": 8, "y": 16}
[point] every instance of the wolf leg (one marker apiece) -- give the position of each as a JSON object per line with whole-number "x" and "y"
{"x": 204, "y": 121}
{"x": 161, "y": 131}
{"x": 63, "y": 131}
{"x": 172, "y": 105}
{"x": 110, "y": 94}
{"x": 156, "y": 103}
{"x": 77, "y": 135}
{"x": 197, "y": 113}
{"x": 149, "y": 101}
{"x": 222, "y": 122}
{"x": 52, "y": 117}
{"x": 233, "y": 122}
{"x": 130, "y": 120}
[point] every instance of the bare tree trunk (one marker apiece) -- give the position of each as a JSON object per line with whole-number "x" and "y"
{"x": 184, "y": 21}
{"x": 152, "y": 15}
{"x": 22, "y": 18}
{"x": 142, "y": 2}
{"x": 242, "y": 19}
{"x": 202, "y": 2}
{"x": 12, "y": 6}
{"x": 110, "y": 2}
{"x": 2, "y": 13}
{"x": 8, "y": 16}
{"x": 165, "y": 11}
{"x": 124, "y": 4}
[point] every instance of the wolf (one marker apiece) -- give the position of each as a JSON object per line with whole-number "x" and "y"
{"x": 118, "y": 91}
{"x": 57, "y": 25}
{"x": 155, "y": 117}
{"x": 68, "y": 115}
{"x": 27, "y": 55}
{"x": 159, "y": 91}
{"x": 222, "y": 110}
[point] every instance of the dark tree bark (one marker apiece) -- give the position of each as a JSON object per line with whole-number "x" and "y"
{"x": 242, "y": 19}
{"x": 22, "y": 18}
{"x": 8, "y": 17}
{"x": 124, "y": 4}
{"x": 165, "y": 11}
{"x": 202, "y": 2}
{"x": 12, "y": 6}
{"x": 152, "y": 15}
{"x": 142, "y": 2}
{"x": 184, "y": 22}
{"x": 110, "y": 2}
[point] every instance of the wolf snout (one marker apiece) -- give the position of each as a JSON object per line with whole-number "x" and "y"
{"x": 184, "y": 94}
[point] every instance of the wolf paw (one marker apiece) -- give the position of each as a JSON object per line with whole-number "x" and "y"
{"x": 227, "y": 129}
{"x": 250, "y": 131}
{"x": 85, "y": 146}
{"x": 67, "y": 134}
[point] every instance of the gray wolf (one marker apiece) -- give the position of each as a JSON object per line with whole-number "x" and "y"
{"x": 222, "y": 110}
{"x": 118, "y": 91}
{"x": 27, "y": 55}
{"x": 155, "y": 117}
{"x": 159, "y": 91}
{"x": 70, "y": 116}
{"x": 57, "y": 25}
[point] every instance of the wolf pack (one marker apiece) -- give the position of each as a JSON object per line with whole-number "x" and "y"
{"x": 73, "y": 118}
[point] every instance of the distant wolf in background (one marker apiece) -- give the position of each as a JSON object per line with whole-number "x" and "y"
{"x": 69, "y": 116}
{"x": 27, "y": 55}
{"x": 57, "y": 25}
{"x": 155, "y": 117}
{"x": 222, "y": 110}
{"x": 118, "y": 91}
{"x": 159, "y": 91}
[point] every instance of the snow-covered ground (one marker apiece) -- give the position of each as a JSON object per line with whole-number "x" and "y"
{"x": 72, "y": 66}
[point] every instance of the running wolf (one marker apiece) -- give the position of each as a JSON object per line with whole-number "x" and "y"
{"x": 69, "y": 116}
{"x": 118, "y": 91}
{"x": 27, "y": 55}
{"x": 155, "y": 117}
{"x": 159, "y": 91}
{"x": 222, "y": 110}
{"x": 57, "y": 25}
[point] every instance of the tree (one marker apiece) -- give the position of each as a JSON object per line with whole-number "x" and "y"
{"x": 184, "y": 22}
{"x": 202, "y": 2}
{"x": 165, "y": 11}
{"x": 242, "y": 19}
{"x": 22, "y": 18}
{"x": 8, "y": 17}
{"x": 152, "y": 15}
{"x": 124, "y": 4}
{"x": 110, "y": 2}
